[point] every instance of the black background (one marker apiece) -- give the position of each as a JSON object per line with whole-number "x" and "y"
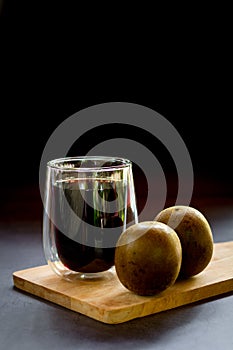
{"x": 58, "y": 59}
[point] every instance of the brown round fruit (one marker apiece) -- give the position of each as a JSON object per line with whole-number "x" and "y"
{"x": 195, "y": 236}
{"x": 148, "y": 257}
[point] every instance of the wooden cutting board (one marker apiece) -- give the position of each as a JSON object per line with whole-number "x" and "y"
{"x": 106, "y": 300}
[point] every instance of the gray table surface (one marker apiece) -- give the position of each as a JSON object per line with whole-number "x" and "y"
{"x": 28, "y": 322}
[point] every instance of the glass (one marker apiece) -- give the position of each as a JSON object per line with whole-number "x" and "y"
{"x": 88, "y": 202}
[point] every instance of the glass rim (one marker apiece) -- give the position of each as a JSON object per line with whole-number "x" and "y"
{"x": 59, "y": 163}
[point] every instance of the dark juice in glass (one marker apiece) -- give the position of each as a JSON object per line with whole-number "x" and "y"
{"x": 84, "y": 211}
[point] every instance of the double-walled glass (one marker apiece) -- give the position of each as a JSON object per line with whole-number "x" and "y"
{"x": 88, "y": 202}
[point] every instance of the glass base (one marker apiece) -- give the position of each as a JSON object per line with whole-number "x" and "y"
{"x": 72, "y": 276}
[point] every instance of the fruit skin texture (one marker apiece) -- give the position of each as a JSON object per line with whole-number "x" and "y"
{"x": 148, "y": 257}
{"x": 195, "y": 236}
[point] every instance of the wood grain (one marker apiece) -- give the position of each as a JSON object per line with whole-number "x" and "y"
{"x": 106, "y": 300}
